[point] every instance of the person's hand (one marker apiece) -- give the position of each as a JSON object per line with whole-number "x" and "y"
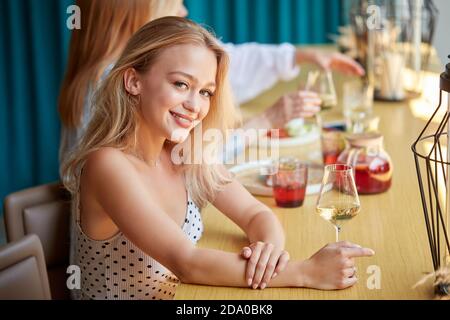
{"x": 298, "y": 104}
{"x": 338, "y": 62}
{"x": 333, "y": 266}
{"x": 330, "y": 61}
{"x": 264, "y": 263}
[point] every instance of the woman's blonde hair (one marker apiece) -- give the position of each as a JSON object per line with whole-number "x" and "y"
{"x": 114, "y": 122}
{"x": 106, "y": 25}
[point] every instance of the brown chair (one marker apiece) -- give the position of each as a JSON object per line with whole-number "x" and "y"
{"x": 23, "y": 274}
{"x": 45, "y": 211}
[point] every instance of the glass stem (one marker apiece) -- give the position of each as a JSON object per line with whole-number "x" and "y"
{"x": 338, "y": 229}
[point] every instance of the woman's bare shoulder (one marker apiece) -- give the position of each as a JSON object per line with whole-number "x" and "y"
{"x": 106, "y": 162}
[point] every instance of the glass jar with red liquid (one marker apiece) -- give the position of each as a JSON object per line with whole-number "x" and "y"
{"x": 371, "y": 163}
{"x": 289, "y": 182}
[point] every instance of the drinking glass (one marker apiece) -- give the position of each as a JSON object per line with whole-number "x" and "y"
{"x": 289, "y": 182}
{"x": 362, "y": 123}
{"x": 322, "y": 83}
{"x": 357, "y": 99}
{"x": 338, "y": 199}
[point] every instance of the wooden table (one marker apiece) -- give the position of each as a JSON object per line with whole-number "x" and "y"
{"x": 391, "y": 223}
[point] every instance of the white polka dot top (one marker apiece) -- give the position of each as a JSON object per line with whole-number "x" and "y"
{"x": 117, "y": 269}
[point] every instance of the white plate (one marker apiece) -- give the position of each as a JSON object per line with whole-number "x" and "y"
{"x": 249, "y": 174}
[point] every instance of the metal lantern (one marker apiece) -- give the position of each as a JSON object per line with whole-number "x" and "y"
{"x": 432, "y": 159}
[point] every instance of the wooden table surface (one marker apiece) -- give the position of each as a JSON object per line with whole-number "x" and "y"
{"x": 391, "y": 223}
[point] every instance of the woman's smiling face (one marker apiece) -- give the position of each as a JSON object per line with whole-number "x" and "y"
{"x": 175, "y": 93}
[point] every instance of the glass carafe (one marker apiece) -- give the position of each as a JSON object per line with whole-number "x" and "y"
{"x": 372, "y": 164}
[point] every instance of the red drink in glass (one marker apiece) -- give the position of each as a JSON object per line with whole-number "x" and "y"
{"x": 372, "y": 165}
{"x": 289, "y": 183}
{"x": 375, "y": 180}
{"x": 291, "y": 196}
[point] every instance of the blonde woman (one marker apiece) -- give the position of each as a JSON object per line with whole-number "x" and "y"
{"x": 137, "y": 214}
{"x": 106, "y": 27}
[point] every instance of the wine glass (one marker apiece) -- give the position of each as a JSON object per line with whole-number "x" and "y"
{"x": 338, "y": 199}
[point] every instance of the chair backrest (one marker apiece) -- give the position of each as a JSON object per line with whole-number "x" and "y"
{"x": 45, "y": 211}
{"x": 23, "y": 274}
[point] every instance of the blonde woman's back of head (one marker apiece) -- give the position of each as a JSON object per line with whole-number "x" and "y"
{"x": 106, "y": 26}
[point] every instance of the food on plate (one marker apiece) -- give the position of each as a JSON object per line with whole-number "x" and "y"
{"x": 294, "y": 128}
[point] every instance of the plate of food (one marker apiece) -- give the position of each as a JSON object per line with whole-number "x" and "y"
{"x": 255, "y": 176}
{"x": 295, "y": 132}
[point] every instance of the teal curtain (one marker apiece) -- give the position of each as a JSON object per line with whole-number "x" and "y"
{"x": 268, "y": 21}
{"x": 33, "y": 49}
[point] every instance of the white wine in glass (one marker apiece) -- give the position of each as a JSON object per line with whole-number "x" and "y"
{"x": 328, "y": 101}
{"x": 322, "y": 83}
{"x": 338, "y": 199}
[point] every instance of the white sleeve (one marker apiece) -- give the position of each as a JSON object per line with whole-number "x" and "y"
{"x": 255, "y": 67}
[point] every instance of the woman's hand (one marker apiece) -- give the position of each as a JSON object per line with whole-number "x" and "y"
{"x": 339, "y": 62}
{"x": 333, "y": 266}
{"x": 298, "y": 104}
{"x": 264, "y": 263}
{"x": 331, "y": 61}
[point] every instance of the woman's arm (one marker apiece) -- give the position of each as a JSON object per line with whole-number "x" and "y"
{"x": 257, "y": 221}
{"x": 256, "y": 67}
{"x": 265, "y": 254}
{"x": 330, "y": 268}
{"x": 329, "y": 61}
{"x": 219, "y": 268}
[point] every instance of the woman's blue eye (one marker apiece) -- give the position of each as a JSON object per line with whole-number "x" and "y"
{"x": 181, "y": 85}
